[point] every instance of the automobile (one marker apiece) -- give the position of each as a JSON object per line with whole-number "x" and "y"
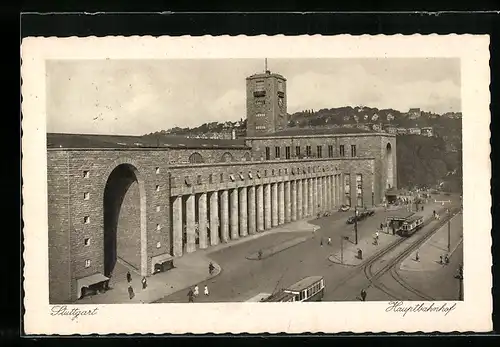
{"x": 344, "y": 208}
{"x": 350, "y": 220}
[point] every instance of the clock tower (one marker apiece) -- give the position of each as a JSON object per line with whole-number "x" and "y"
{"x": 266, "y": 104}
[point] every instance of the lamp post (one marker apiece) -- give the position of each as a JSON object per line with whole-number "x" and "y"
{"x": 449, "y": 231}
{"x": 356, "y": 225}
{"x": 460, "y": 277}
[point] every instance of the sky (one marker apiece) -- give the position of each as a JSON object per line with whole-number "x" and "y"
{"x": 135, "y": 97}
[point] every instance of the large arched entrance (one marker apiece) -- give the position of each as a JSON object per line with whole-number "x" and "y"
{"x": 390, "y": 167}
{"x": 124, "y": 220}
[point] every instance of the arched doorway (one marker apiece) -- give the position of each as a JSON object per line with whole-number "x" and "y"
{"x": 390, "y": 167}
{"x": 124, "y": 220}
{"x": 226, "y": 157}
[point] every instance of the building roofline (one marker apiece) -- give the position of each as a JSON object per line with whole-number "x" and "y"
{"x": 319, "y": 135}
{"x": 162, "y": 148}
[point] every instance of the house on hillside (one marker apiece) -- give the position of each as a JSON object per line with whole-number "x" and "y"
{"x": 365, "y": 117}
{"x": 390, "y": 117}
{"x": 414, "y": 131}
{"x": 348, "y": 125}
{"x": 356, "y": 118}
{"x": 375, "y": 117}
{"x": 402, "y": 131}
{"x": 414, "y": 113}
{"x": 427, "y": 131}
{"x": 376, "y": 127}
{"x": 390, "y": 129}
{"x": 362, "y": 126}
{"x": 346, "y": 118}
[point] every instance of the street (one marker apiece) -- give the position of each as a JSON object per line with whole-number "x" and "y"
{"x": 241, "y": 279}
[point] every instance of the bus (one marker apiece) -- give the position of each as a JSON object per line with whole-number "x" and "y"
{"x": 311, "y": 288}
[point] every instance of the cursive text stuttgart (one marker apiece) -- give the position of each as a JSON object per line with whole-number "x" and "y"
{"x": 74, "y": 312}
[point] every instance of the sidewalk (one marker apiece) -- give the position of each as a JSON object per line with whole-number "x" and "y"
{"x": 349, "y": 255}
{"x": 434, "y": 247}
{"x": 189, "y": 270}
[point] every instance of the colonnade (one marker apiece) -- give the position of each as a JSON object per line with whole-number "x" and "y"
{"x": 231, "y": 213}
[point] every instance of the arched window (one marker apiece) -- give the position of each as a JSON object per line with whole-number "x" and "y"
{"x": 246, "y": 157}
{"x": 226, "y": 157}
{"x": 195, "y": 158}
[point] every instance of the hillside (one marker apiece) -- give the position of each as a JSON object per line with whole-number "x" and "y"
{"x": 422, "y": 161}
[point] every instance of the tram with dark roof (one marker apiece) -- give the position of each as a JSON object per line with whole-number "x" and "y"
{"x": 311, "y": 288}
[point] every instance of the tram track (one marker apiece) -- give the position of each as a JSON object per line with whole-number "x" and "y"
{"x": 390, "y": 267}
{"x": 366, "y": 266}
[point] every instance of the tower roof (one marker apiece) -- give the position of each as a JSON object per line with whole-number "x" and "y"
{"x": 266, "y": 75}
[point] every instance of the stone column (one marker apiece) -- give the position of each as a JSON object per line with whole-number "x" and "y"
{"x": 243, "y": 212}
{"x": 234, "y": 214}
{"x": 293, "y": 187}
{"x": 325, "y": 193}
{"x": 320, "y": 194}
{"x": 190, "y": 227}
{"x": 340, "y": 196}
{"x": 251, "y": 210}
{"x": 177, "y": 226}
{"x": 274, "y": 194}
{"x": 202, "y": 220}
{"x": 288, "y": 203}
{"x": 260, "y": 208}
{"x": 224, "y": 215}
{"x": 315, "y": 196}
{"x": 310, "y": 200}
{"x": 281, "y": 203}
{"x": 334, "y": 196}
{"x": 329, "y": 192}
{"x": 299, "y": 199}
{"x": 267, "y": 206}
{"x": 305, "y": 196}
{"x": 214, "y": 218}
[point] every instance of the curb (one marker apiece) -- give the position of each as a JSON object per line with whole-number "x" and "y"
{"x": 217, "y": 272}
{"x": 254, "y": 256}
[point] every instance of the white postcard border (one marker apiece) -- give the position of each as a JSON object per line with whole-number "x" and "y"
{"x": 474, "y": 314}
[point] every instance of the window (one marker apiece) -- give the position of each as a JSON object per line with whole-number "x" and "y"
{"x": 342, "y": 151}
{"x": 158, "y": 227}
{"x": 87, "y": 263}
{"x": 260, "y": 127}
{"x": 86, "y": 196}
{"x": 86, "y": 174}
{"x": 222, "y": 177}
{"x": 196, "y": 158}
{"x": 308, "y": 151}
{"x": 277, "y": 153}
{"x": 157, "y": 170}
{"x": 86, "y": 241}
{"x": 86, "y": 220}
{"x": 287, "y": 152}
{"x": 211, "y": 178}
{"x": 158, "y": 208}
{"x": 330, "y": 151}
{"x": 297, "y": 151}
{"x": 319, "y": 151}
{"x": 280, "y": 86}
{"x": 268, "y": 153}
{"x": 198, "y": 180}
{"x": 157, "y": 188}
{"x": 347, "y": 189}
{"x": 158, "y": 244}
{"x": 260, "y": 115}
{"x": 260, "y": 102}
{"x": 359, "y": 189}
{"x": 353, "y": 150}
{"x": 259, "y": 86}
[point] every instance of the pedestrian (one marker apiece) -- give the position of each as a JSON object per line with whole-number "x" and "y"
{"x": 196, "y": 290}
{"x": 440, "y": 259}
{"x": 329, "y": 241}
{"x": 363, "y": 295}
{"x": 381, "y": 226}
{"x": 260, "y": 254}
{"x": 210, "y": 268}
{"x": 321, "y": 242}
{"x": 131, "y": 293}
{"x": 417, "y": 256}
{"x": 129, "y": 277}
{"x": 190, "y": 295}
{"x": 144, "y": 283}
{"x": 205, "y": 290}
{"x": 446, "y": 259}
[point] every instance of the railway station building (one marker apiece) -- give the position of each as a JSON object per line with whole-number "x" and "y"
{"x": 146, "y": 201}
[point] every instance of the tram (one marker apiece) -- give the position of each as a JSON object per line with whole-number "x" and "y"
{"x": 311, "y": 288}
{"x": 405, "y": 225}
